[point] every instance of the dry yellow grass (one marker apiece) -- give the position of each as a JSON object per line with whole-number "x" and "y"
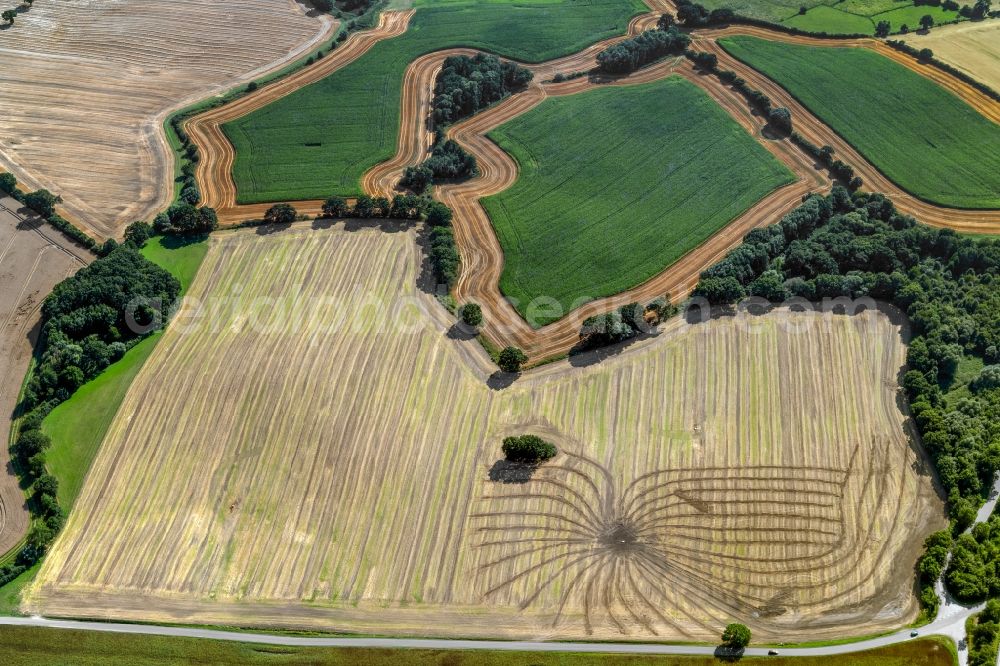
{"x": 87, "y": 84}
{"x": 973, "y": 47}
{"x": 341, "y": 474}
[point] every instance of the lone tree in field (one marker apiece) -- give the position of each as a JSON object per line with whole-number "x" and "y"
{"x": 528, "y": 449}
{"x": 472, "y": 314}
{"x": 736, "y": 636}
{"x": 511, "y": 359}
{"x": 883, "y": 29}
{"x": 280, "y": 214}
{"x": 926, "y": 21}
{"x": 9, "y": 15}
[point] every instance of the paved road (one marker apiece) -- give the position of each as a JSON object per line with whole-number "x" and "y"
{"x": 445, "y": 644}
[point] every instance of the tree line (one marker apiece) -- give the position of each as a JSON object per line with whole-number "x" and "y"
{"x": 631, "y": 54}
{"x": 845, "y": 245}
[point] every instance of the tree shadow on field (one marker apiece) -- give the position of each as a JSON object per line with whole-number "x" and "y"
{"x": 582, "y": 356}
{"x": 462, "y": 331}
{"x": 728, "y": 654}
{"x": 268, "y": 229}
{"x": 500, "y": 380}
{"x": 508, "y": 471}
{"x": 174, "y": 242}
{"x": 383, "y": 224}
{"x": 427, "y": 281}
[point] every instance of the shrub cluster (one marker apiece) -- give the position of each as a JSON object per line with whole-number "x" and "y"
{"x": 183, "y": 218}
{"x": 528, "y": 449}
{"x": 467, "y": 84}
{"x": 448, "y": 161}
{"x": 622, "y": 324}
{"x": 854, "y": 246}
{"x": 631, "y": 54}
{"x": 90, "y": 320}
{"x": 983, "y": 631}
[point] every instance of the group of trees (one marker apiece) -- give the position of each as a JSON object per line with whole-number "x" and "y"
{"x": 8, "y": 15}
{"x": 631, "y": 54}
{"x": 467, "y": 84}
{"x": 530, "y": 449}
{"x": 622, "y": 324}
{"x": 984, "y": 635}
{"x": 448, "y": 161}
{"x": 90, "y": 319}
{"x": 846, "y": 245}
{"x": 184, "y": 218}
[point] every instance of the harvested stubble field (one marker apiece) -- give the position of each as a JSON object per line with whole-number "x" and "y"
{"x": 321, "y": 139}
{"x": 593, "y": 214}
{"x": 921, "y": 136}
{"x": 973, "y": 48}
{"x": 87, "y": 85}
{"x": 732, "y": 469}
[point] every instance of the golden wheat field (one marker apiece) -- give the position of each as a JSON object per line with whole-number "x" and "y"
{"x": 972, "y": 46}
{"x": 331, "y": 462}
{"x": 87, "y": 85}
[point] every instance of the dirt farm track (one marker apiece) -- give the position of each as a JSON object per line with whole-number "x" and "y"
{"x": 87, "y": 85}
{"x": 482, "y": 256}
{"x": 392, "y": 513}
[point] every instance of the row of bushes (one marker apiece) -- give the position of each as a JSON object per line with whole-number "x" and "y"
{"x": 840, "y": 170}
{"x": 44, "y": 202}
{"x": 853, "y": 246}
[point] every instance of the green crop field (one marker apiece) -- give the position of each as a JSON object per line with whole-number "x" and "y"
{"x": 929, "y": 142}
{"x": 830, "y": 16}
{"x": 320, "y": 140}
{"x": 616, "y": 184}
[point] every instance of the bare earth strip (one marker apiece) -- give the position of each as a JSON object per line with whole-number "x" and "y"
{"x": 745, "y": 468}
{"x": 87, "y": 85}
{"x": 33, "y": 259}
{"x": 973, "y": 47}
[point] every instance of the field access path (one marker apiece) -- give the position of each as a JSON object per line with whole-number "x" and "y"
{"x": 482, "y": 256}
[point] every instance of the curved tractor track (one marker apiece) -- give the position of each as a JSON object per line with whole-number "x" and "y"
{"x": 214, "y": 170}
{"x": 482, "y": 256}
